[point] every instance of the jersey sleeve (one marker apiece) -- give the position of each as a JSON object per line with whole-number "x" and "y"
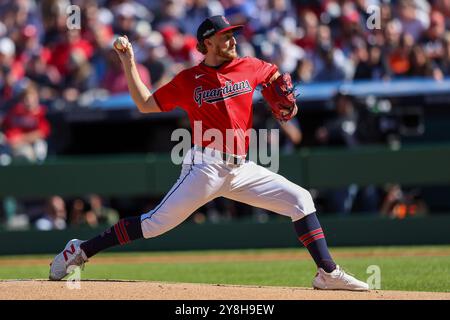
{"x": 263, "y": 70}
{"x": 171, "y": 95}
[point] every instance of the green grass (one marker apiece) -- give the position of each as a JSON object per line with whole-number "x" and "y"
{"x": 431, "y": 273}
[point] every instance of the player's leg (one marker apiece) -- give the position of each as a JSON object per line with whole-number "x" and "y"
{"x": 193, "y": 189}
{"x": 262, "y": 188}
{"x": 196, "y": 185}
{"x": 201, "y": 184}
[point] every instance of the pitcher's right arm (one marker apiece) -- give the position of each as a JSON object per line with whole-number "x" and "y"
{"x": 140, "y": 94}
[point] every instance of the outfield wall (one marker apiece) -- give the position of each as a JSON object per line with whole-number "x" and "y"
{"x": 355, "y": 231}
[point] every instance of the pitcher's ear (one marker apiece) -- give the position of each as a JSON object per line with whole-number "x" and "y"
{"x": 208, "y": 42}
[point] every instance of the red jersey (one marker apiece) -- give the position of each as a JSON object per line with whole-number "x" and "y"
{"x": 61, "y": 54}
{"x": 220, "y": 98}
{"x": 20, "y": 121}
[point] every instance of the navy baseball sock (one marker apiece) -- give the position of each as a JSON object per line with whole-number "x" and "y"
{"x": 123, "y": 232}
{"x": 311, "y": 235}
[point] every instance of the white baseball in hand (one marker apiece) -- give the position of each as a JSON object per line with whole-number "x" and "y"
{"x": 121, "y": 44}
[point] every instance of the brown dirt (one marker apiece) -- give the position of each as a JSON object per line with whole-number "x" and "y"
{"x": 139, "y": 290}
{"x": 146, "y": 290}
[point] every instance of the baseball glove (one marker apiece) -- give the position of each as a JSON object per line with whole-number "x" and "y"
{"x": 279, "y": 94}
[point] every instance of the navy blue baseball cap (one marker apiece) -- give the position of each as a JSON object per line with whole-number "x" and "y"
{"x": 212, "y": 25}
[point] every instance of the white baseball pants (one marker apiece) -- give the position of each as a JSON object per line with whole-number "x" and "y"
{"x": 205, "y": 176}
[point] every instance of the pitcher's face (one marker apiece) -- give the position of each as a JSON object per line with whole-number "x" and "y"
{"x": 224, "y": 45}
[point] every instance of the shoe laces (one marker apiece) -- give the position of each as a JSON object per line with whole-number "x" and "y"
{"x": 342, "y": 274}
{"x": 77, "y": 261}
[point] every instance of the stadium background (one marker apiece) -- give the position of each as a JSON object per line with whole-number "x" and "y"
{"x": 371, "y": 140}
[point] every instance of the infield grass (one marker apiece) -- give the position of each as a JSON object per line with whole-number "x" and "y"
{"x": 424, "y": 268}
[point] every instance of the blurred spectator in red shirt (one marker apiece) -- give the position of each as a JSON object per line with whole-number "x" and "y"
{"x": 181, "y": 47}
{"x": 26, "y": 127}
{"x": 309, "y": 31}
{"x": 60, "y": 57}
{"x": 351, "y": 29}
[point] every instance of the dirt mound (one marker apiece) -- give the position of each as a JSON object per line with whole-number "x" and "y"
{"x": 143, "y": 290}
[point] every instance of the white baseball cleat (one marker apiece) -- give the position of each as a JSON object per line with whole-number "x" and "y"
{"x": 72, "y": 256}
{"x": 338, "y": 280}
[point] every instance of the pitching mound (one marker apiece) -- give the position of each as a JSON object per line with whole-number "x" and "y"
{"x": 138, "y": 290}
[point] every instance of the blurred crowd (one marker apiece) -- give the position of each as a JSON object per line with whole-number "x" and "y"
{"x": 49, "y": 59}
{"x": 56, "y": 54}
{"x": 330, "y": 40}
{"x": 57, "y": 213}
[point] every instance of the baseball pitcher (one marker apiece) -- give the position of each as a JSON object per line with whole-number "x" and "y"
{"x": 218, "y": 93}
